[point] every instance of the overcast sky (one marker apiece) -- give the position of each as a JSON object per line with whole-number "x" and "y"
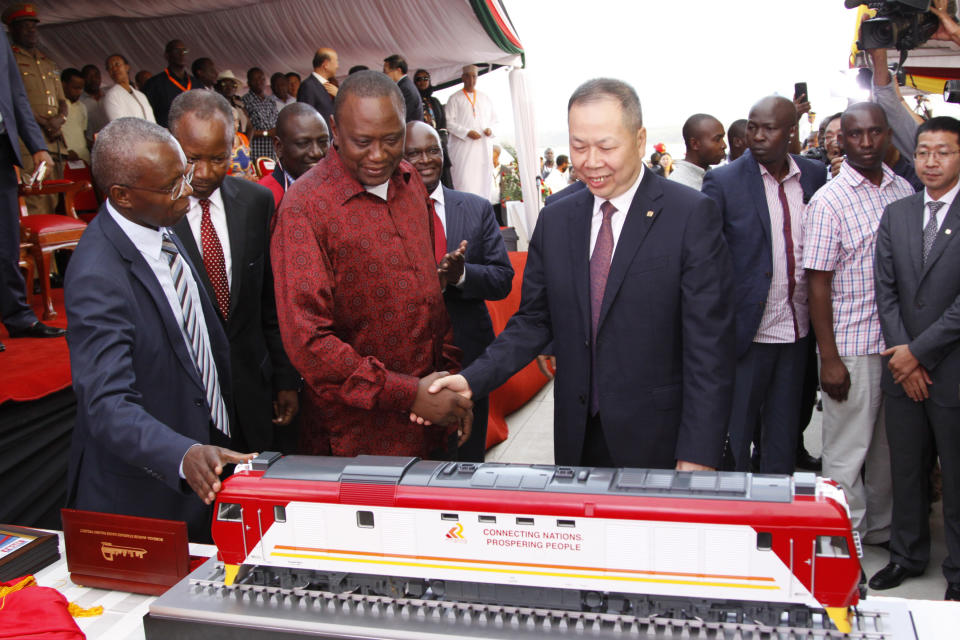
{"x": 681, "y": 57}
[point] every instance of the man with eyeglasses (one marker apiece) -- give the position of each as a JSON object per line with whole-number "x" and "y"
{"x": 162, "y": 88}
{"x": 483, "y": 273}
{"x": 838, "y": 254}
{"x": 226, "y": 235}
{"x": 150, "y": 362}
{"x": 435, "y": 116}
{"x": 918, "y": 298}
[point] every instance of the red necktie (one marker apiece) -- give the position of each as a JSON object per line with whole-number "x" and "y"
{"x": 791, "y": 261}
{"x": 599, "y": 270}
{"x": 439, "y": 237}
{"x": 213, "y": 259}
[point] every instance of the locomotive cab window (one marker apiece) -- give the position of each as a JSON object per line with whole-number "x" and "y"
{"x": 487, "y": 519}
{"x": 229, "y": 512}
{"x": 450, "y": 517}
{"x": 566, "y": 523}
{"x": 832, "y": 547}
{"x": 526, "y": 521}
{"x": 764, "y": 540}
{"x": 279, "y": 513}
{"x": 365, "y": 519}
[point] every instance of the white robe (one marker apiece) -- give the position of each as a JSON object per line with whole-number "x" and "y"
{"x": 472, "y": 160}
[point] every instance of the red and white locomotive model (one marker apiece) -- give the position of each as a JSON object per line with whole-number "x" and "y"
{"x": 635, "y": 541}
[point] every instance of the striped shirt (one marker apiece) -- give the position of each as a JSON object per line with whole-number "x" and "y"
{"x": 777, "y": 322}
{"x": 839, "y": 235}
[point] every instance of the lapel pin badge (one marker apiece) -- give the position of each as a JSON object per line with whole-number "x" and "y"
{"x": 946, "y": 231}
{"x": 649, "y": 214}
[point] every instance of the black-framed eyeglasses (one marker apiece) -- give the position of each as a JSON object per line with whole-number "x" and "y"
{"x": 430, "y": 152}
{"x": 180, "y": 189}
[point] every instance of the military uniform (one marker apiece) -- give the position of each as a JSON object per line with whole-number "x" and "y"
{"x": 41, "y": 80}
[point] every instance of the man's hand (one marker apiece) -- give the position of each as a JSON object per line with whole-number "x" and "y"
{"x": 835, "y": 165}
{"x": 915, "y": 384}
{"x": 438, "y": 405}
{"x": 902, "y": 363}
{"x": 487, "y": 132}
{"x": 203, "y": 464}
{"x": 474, "y": 135}
{"x": 466, "y": 428}
{"x": 42, "y": 156}
{"x": 547, "y": 365}
{"x": 834, "y": 378}
{"x": 285, "y": 406}
{"x": 683, "y": 465}
{"x": 802, "y": 105}
{"x": 451, "y": 267}
{"x": 948, "y": 29}
{"x": 331, "y": 89}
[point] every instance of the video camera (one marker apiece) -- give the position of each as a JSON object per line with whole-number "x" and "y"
{"x": 899, "y": 24}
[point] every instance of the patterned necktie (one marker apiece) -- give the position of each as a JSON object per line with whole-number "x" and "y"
{"x": 213, "y": 260}
{"x": 599, "y": 270}
{"x": 439, "y": 236}
{"x": 791, "y": 259}
{"x": 931, "y": 228}
{"x": 197, "y": 338}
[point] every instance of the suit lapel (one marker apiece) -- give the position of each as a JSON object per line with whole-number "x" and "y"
{"x": 140, "y": 270}
{"x": 914, "y": 235}
{"x": 581, "y": 213}
{"x": 185, "y": 234}
{"x": 237, "y": 214}
{"x": 452, "y": 211}
{"x": 635, "y": 228}
{"x": 949, "y": 228}
{"x": 754, "y": 186}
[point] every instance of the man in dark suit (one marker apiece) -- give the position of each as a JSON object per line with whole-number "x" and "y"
{"x": 918, "y": 299}
{"x": 16, "y": 123}
{"x": 395, "y": 67}
{"x": 148, "y": 357}
{"x": 317, "y": 90}
{"x": 632, "y": 282}
{"x": 226, "y": 234}
{"x": 762, "y": 196}
{"x": 486, "y": 273}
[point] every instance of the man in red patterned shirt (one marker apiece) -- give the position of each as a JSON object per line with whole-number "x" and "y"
{"x": 359, "y": 301}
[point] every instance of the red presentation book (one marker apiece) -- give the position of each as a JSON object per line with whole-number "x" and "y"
{"x": 125, "y": 553}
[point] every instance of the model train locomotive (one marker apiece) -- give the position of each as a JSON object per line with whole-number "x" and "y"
{"x": 777, "y": 549}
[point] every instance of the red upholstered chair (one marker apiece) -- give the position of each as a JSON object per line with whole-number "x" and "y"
{"x": 516, "y": 391}
{"x": 265, "y": 165}
{"x": 49, "y": 232}
{"x": 28, "y": 265}
{"x": 86, "y": 202}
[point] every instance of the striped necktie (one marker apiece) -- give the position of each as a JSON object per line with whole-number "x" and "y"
{"x": 197, "y": 339}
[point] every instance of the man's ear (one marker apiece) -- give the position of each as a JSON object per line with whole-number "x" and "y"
{"x": 119, "y": 196}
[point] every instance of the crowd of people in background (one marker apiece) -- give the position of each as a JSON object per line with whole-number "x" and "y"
{"x": 692, "y": 305}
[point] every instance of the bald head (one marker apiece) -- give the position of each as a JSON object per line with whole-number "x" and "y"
{"x": 871, "y": 109}
{"x": 770, "y": 126}
{"x": 325, "y": 62}
{"x": 422, "y": 149}
{"x": 703, "y": 136}
{"x": 781, "y": 108}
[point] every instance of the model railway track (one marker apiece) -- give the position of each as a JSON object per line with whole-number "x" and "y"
{"x": 555, "y": 622}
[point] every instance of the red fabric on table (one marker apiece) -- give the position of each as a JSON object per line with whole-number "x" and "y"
{"x": 32, "y": 368}
{"x": 524, "y": 384}
{"x": 36, "y": 613}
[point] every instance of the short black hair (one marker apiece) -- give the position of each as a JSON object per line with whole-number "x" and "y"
{"x": 618, "y": 90}
{"x": 89, "y": 67}
{"x": 396, "y": 61}
{"x": 167, "y": 48}
{"x": 561, "y": 159}
{"x": 320, "y": 57}
{"x": 369, "y": 84}
{"x": 826, "y": 123}
{"x": 293, "y": 74}
{"x": 940, "y": 123}
{"x": 357, "y": 68}
{"x": 202, "y": 104}
{"x": 251, "y": 71}
{"x": 198, "y": 64}
{"x": 277, "y": 76}
{"x": 70, "y": 73}
{"x": 738, "y": 128}
{"x": 692, "y": 124}
{"x": 114, "y": 55}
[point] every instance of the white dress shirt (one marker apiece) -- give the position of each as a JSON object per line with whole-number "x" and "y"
{"x": 622, "y": 202}
{"x": 947, "y": 199}
{"x": 149, "y": 243}
{"x": 218, "y": 216}
{"x": 439, "y": 207}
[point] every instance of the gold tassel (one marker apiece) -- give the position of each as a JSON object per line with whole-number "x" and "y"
{"x": 79, "y": 612}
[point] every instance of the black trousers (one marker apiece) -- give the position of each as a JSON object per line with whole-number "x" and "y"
{"x": 475, "y": 448}
{"x": 914, "y": 429}
{"x": 14, "y": 310}
{"x": 595, "y": 452}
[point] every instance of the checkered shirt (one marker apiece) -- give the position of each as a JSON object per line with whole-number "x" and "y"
{"x": 263, "y": 115}
{"x": 840, "y": 233}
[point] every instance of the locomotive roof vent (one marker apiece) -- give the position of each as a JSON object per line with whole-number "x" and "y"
{"x": 263, "y": 461}
{"x": 376, "y": 469}
{"x": 805, "y": 483}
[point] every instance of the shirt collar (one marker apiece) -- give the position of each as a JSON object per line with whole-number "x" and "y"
{"x": 946, "y": 198}
{"x": 215, "y": 198}
{"x": 792, "y": 170}
{"x": 623, "y": 201}
{"x": 854, "y": 178}
{"x": 438, "y": 194}
{"x": 147, "y": 241}
{"x": 379, "y": 190}
{"x": 350, "y": 185}
{"x": 320, "y": 78}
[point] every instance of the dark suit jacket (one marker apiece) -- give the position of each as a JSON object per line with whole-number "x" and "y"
{"x": 412, "y": 97}
{"x": 140, "y": 399}
{"x": 259, "y": 364}
{"x": 313, "y": 93}
{"x": 489, "y": 275}
{"x": 17, "y": 115}
{"x": 570, "y": 190}
{"x": 919, "y": 304}
{"x": 738, "y": 189}
{"x": 665, "y": 345}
